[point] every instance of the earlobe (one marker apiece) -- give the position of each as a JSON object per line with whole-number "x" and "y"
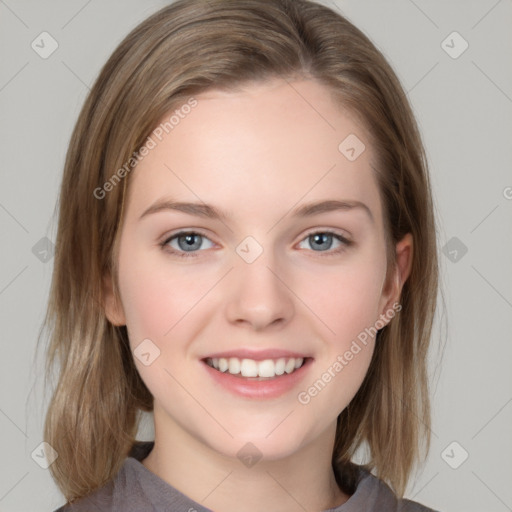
{"x": 404, "y": 256}
{"x": 112, "y": 306}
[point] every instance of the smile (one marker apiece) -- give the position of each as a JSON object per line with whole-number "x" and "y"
{"x": 267, "y": 368}
{"x": 260, "y": 379}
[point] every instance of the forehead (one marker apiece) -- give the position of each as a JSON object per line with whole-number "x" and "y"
{"x": 262, "y": 148}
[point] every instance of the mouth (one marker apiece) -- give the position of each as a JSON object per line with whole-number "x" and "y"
{"x": 252, "y": 369}
{"x": 257, "y": 375}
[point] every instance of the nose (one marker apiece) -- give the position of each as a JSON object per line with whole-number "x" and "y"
{"x": 258, "y": 296}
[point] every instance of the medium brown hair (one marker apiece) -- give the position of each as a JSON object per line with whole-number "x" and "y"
{"x": 182, "y": 50}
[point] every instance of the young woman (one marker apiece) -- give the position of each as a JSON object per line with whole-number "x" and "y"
{"x": 246, "y": 247}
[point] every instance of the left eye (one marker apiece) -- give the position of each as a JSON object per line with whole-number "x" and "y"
{"x": 323, "y": 240}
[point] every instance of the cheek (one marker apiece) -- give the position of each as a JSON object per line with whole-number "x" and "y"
{"x": 346, "y": 300}
{"x": 348, "y": 306}
{"x": 162, "y": 303}
{"x": 156, "y": 296}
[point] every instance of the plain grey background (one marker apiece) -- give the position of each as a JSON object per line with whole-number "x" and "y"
{"x": 463, "y": 103}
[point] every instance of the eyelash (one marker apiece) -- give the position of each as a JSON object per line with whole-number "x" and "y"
{"x": 192, "y": 254}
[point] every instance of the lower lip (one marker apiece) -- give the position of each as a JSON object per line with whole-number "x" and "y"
{"x": 251, "y": 387}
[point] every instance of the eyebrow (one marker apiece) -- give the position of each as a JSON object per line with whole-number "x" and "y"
{"x": 211, "y": 212}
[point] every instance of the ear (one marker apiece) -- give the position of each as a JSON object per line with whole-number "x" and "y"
{"x": 393, "y": 288}
{"x": 113, "y": 308}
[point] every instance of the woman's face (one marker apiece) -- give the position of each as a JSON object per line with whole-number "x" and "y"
{"x": 284, "y": 258}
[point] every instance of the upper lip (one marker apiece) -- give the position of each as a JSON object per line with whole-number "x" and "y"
{"x": 257, "y": 355}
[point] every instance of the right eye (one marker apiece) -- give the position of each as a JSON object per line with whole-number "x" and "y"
{"x": 185, "y": 243}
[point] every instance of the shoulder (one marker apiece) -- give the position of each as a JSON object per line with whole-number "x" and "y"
{"x": 124, "y": 492}
{"x": 102, "y": 500}
{"x": 374, "y": 495}
{"x": 413, "y": 506}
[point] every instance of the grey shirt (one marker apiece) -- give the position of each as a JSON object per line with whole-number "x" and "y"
{"x": 136, "y": 489}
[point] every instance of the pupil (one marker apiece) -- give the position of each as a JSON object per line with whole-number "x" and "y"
{"x": 189, "y": 242}
{"x": 320, "y": 238}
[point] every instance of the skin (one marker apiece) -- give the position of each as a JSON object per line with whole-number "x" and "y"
{"x": 257, "y": 154}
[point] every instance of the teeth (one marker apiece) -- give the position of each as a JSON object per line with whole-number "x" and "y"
{"x": 234, "y": 365}
{"x": 223, "y": 364}
{"x": 279, "y": 366}
{"x": 251, "y": 368}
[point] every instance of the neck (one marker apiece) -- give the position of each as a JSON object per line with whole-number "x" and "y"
{"x": 301, "y": 481}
